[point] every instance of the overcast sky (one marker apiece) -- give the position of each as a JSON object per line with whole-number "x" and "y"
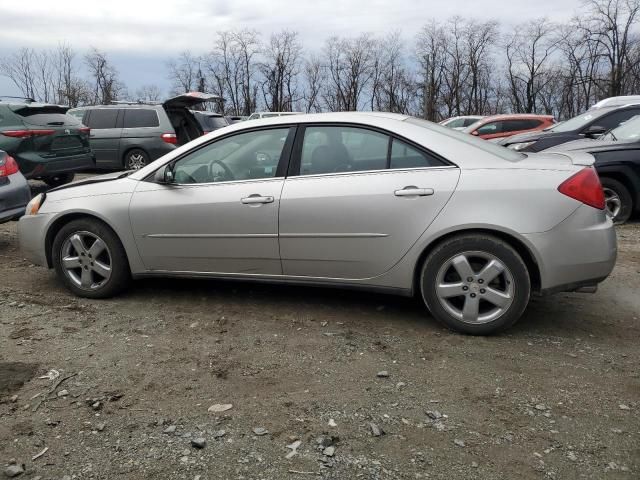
{"x": 141, "y": 35}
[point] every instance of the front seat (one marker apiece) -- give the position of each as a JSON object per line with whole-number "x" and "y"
{"x": 330, "y": 158}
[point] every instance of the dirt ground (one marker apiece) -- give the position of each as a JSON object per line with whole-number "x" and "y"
{"x": 557, "y": 396}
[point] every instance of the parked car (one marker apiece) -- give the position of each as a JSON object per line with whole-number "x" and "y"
{"x": 376, "y": 201}
{"x": 257, "y": 115}
{"x": 14, "y": 189}
{"x": 459, "y": 123}
{"x": 131, "y": 135}
{"x": 499, "y": 126}
{"x": 616, "y": 101}
{"x": 617, "y": 155}
{"x": 46, "y": 143}
{"x": 210, "y": 121}
{"x": 590, "y": 124}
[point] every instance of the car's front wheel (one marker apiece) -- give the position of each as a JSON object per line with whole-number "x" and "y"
{"x": 475, "y": 283}
{"x": 90, "y": 259}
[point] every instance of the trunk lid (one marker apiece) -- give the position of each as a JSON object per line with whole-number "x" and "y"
{"x": 190, "y": 99}
{"x": 556, "y": 160}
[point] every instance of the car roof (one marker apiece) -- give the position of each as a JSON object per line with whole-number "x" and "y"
{"x": 515, "y": 116}
{"x": 121, "y": 105}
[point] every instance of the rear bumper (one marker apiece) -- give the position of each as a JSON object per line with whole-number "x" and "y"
{"x": 31, "y": 237}
{"x": 34, "y": 166}
{"x": 580, "y": 251}
{"x": 14, "y": 196}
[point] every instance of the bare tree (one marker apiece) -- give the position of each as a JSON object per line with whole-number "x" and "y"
{"x": 149, "y": 93}
{"x": 431, "y": 54}
{"x": 314, "y": 79}
{"x": 19, "y": 68}
{"x": 106, "y": 86}
{"x": 529, "y": 52}
{"x": 609, "y": 25}
{"x": 185, "y": 73}
{"x": 280, "y": 69}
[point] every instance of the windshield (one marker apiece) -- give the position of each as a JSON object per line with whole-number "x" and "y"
{"x": 629, "y": 131}
{"x": 576, "y": 123}
{"x": 489, "y": 147}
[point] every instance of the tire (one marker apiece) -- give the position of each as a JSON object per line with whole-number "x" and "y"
{"x": 619, "y": 202}
{"x": 90, "y": 257}
{"x": 135, "y": 159}
{"x": 57, "y": 180}
{"x": 440, "y": 280}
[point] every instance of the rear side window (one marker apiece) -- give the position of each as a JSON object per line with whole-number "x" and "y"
{"x": 491, "y": 128}
{"x": 218, "y": 122}
{"x": 102, "y": 118}
{"x": 79, "y": 114}
{"x": 406, "y": 156}
{"x": 524, "y": 124}
{"x": 139, "y": 117}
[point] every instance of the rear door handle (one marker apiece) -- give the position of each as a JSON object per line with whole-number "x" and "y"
{"x": 412, "y": 191}
{"x": 256, "y": 198}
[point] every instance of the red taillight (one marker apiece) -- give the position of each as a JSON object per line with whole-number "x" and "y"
{"x": 8, "y": 167}
{"x": 86, "y": 130}
{"x": 169, "y": 138}
{"x": 585, "y": 187}
{"x": 27, "y": 133}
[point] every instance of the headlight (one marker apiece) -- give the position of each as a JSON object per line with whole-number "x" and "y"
{"x": 34, "y": 205}
{"x": 520, "y": 146}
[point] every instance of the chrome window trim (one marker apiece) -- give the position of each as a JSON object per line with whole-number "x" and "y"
{"x": 372, "y": 172}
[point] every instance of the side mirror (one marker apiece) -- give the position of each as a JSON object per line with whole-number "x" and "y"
{"x": 595, "y": 131}
{"x": 164, "y": 175}
{"x": 475, "y": 133}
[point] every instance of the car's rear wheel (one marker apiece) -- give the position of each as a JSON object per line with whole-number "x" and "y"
{"x": 136, "y": 159}
{"x": 57, "y": 180}
{"x": 90, "y": 259}
{"x": 475, "y": 284}
{"x": 618, "y": 200}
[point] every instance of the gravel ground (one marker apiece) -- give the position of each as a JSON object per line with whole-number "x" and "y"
{"x": 316, "y": 383}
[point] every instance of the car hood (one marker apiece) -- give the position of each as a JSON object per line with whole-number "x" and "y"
{"x": 88, "y": 181}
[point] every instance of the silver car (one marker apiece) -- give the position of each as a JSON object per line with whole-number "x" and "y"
{"x": 376, "y": 201}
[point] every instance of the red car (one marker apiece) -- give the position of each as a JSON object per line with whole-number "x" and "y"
{"x": 499, "y": 126}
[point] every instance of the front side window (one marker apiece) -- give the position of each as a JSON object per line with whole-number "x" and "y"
{"x": 342, "y": 149}
{"x": 616, "y": 119}
{"x": 138, "y": 117}
{"x": 245, "y": 156}
{"x": 102, "y": 118}
{"x": 490, "y": 128}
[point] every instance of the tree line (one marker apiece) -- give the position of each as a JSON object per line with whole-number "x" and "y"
{"x": 459, "y": 66}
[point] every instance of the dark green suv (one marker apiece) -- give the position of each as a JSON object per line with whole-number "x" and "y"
{"x": 46, "y": 143}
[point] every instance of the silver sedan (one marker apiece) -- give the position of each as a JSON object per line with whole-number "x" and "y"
{"x": 375, "y": 201}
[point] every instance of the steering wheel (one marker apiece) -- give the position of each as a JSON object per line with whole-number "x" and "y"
{"x": 228, "y": 174}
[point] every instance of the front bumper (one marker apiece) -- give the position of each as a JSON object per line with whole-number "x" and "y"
{"x": 31, "y": 237}
{"x": 580, "y": 251}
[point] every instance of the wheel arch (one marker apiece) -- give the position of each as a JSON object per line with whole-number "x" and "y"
{"x": 61, "y": 221}
{"x": 622, "y": 177}
{"x": 518, "y": 245}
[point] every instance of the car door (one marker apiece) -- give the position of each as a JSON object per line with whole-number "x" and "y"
{"x": 220, "y": 214}
{"x": 356, "y": 201}
{"x": 105, "y": 135}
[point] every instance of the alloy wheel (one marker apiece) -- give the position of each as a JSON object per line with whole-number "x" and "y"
{"x": 86, "y": 260}
{"x": 136, "y": 161}
{"x": 475, "y": 287}
{"x": 612, "y": 201}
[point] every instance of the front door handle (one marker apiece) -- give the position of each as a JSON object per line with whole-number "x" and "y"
{"x": 413, "y": 191}
{"x": 256, "y": 198}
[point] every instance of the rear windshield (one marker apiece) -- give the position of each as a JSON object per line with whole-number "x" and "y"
{"x": 489, "y": 147}
{"x": 46, "y": 116}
